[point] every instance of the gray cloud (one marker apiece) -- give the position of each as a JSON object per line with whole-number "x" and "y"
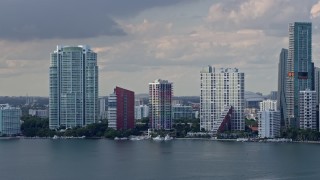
{"x": 67, "y": 19}
{"x": 271, "y": 16}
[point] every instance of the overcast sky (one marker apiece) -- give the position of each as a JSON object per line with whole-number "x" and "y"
{"x": 138, "y": 41}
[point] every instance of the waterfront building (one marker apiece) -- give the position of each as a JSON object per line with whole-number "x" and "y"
{"x": 269, "y": 124}
{"x": 282, "y": 79}
{"x": 73, "y": 88}
{"x": 121, "y": 109}
{"x": 300, "y": 75}
{"x": 221, "y": 99}
{"x": 308, "y": 109}
{"x": 141, "y": 111}
{"x": 41, "y": 113}
{"x": 182, "y": 112}
{"x": 268, "y": 105}
{"x": 160, "y": 104}
{"x": 9, "y": 120}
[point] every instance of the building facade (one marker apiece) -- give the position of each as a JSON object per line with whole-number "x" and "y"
{"x": 269, "y": 124}
{"x": 268, "y": 105}
{"x": 222, "y": 90}
{"x": 308, "y": 110}
{"x": 9, "y": 120}
{"x": 317, "y": 83}
{"x": 300, "y": 69}
{"x": 42, "y": 113}
{"x": 73, "y": 87}
{"x": 121, "y": 109}
{"x": 103, "y": 107}
{"x": 182, "y": 112}
{"x": 141, "y": 111}
{"x": 160, "y": 104}
{"x": 282, "y": 79}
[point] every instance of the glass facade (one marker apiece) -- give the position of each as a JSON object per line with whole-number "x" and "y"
{"x": 299, "y": 69}
{"x": 73, "y": 87}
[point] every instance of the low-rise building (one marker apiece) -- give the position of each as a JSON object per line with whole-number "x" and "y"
{"x": 269, "y": 124}
{"x": 9, "y": 120}
{"x": 182, "y": 112}
{"x": 42, "y": 113}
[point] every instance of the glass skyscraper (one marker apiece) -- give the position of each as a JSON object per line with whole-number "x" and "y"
{"x": 299, "y": 69}
{"x": 73, "y": 87}
{"x": 282, "y": 77}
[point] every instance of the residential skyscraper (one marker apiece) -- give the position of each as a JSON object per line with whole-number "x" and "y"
{"x": 160, "y": 104}
{"x": 73, "y": 87}
{"x": 222, "y": 99}
{"x": 282, "y": 80}
{"x": 299, "y": 68}
{"x": 307, "y": 108}
{"x": 121, "y": 109}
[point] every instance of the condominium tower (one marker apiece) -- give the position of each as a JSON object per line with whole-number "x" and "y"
{"x": 299, "y": 69}
{"x": 73, "y": 87}
{"x": 160, "y": 108}
{"x": 221, "y": 99}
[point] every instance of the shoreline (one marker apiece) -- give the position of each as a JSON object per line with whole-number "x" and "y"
{"x": 202, "y": 139}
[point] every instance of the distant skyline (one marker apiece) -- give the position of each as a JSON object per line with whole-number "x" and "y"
{"x": 143, "y": 40}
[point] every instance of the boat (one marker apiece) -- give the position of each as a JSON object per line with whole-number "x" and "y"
{"x": 242, "y": 139}
{"x": 55, "y": 137}
{"x": 158, "y": 138}
{"x": 168, "y": 138}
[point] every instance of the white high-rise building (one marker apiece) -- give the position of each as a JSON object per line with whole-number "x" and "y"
{"x": 160, "y": 104}
{"x": 222, "y": 94}
{"x": 268, "y": 105}
{"x": 73, "y": 87}
{"x": 269, "y": 124}
{"x": 307, "y": 108}
{"x": 9, "y": 120}
{"x": 112, "y": 111}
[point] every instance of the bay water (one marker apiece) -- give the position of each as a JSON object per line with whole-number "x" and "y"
{"x": 95, "y": 159}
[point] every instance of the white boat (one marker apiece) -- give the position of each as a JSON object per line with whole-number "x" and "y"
{"x": 168, "y": 138}
{"x": 55, "y": 137}
{"x": 242, "y": 139}
{"x": 158, "y": 138}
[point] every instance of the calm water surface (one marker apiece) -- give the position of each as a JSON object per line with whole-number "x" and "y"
{"x": 79, "y": 159}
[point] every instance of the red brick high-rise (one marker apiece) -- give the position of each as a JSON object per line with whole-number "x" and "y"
{"x": 121, "y": 109}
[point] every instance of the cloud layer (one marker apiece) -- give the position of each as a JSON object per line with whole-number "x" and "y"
{"x": 142, "y": 40}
